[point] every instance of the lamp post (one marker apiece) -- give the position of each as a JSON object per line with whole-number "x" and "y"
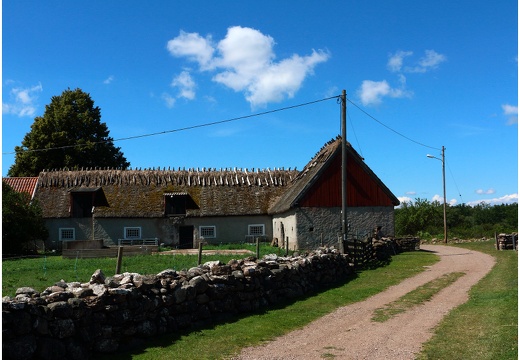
{"x": 444, "y": 189}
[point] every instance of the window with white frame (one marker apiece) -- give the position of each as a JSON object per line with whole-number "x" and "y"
{"x": 132, "y": 232}
{"x": 67, "y": 234}
{"x": 256, "y": 230}
{"x": 207, "y": 232}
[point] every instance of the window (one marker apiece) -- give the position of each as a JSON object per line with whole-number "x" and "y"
{"x": 82, "y": 203}
{"x": 84, "y": 200}
{"x": 177, "y": 203}
{"x": 67, "y": 234}
{"x": 132, "y": 232}
{"x": 207, "y": 232}
{"x": 256, "y": 230}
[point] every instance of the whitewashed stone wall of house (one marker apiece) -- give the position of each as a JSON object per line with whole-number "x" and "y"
{"x": 108, "y": 229}
{"x": 230, "y": 229}
{"x": 285, "y": 229}
{"x": 367, "y": 218}
{"x": 322, "y": 226}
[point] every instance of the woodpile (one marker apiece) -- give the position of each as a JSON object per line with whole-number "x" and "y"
{"x": 507, "y": 241}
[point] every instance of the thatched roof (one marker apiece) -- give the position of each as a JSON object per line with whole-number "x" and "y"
{"x": 140, "y": 193}
{"x": 315, "y": 168}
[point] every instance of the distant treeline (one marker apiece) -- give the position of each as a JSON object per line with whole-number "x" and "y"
{"x": 425, "y": 219}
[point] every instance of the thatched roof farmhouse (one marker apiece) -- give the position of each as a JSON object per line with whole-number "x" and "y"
{"x": 184, "y": 206}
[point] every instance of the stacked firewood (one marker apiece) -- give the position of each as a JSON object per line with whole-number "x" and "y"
{"x": 507, "y": 241}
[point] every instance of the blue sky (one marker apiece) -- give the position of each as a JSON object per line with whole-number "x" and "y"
{"x": 427, "y": 73}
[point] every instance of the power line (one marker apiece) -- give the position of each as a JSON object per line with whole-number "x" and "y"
{"x": 181, "y": 129}
{"x": 223, "y": 122}
{"x": 389, "y": 128}
{"x": 453, "y": 178}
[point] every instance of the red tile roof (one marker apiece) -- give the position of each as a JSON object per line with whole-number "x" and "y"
{"x": 22, "y": 184}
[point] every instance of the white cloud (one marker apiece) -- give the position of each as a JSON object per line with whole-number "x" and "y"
{"x": 430, "y": 61}
{"x": 511, "y": 112}
{"x": 372, "y": 92}
{"x": 395, "y": 62}
{"x": 245, "y": 61}
{"x": 108, "y": 80}
{"x": 404, "y": 199}
{"x": 282, "y": 79}
{"x": 193, "y": 46}
{"x": 440, "y": 199}
{"x": 23, "y": 101}
{"x": 185, "y": 84}
{"x": 168, "y": 100}
{"x": 506, "y": 199}
{"x": 485, "y": 192}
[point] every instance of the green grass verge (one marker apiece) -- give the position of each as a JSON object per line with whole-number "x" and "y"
{"x": 225, "y": 339}
{"x": 415, "y": 297}
{"x": 40, "y": 273}
{"x": 486, "y": 326}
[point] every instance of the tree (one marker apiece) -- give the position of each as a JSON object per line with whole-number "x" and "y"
{"x": 22, "y": 221}
{"x": 70, "y": 134}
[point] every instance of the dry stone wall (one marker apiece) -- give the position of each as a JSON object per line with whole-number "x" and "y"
{"x": 108, "y": 314}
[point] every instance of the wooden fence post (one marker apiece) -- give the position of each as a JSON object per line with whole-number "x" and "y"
{"x": 199, "y": 261}
{"x": 119, "y": 259}
{"x": 257, "y": 248}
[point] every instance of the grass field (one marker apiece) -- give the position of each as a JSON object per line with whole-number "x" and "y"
{"x": 41, "y": 272}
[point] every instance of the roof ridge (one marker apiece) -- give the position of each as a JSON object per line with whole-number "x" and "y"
{"x": 191, "y": 177}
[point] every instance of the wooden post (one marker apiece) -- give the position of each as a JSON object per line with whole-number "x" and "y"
{"x": 119, "y": 259}
{"x": 200, "y": 254}
{"x": 287, "y": 246}
{"x": 257, "y": 248}
{"x": 496, "y": 241}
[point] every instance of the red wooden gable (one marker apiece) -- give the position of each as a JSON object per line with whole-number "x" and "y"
{"x": 362, "y": 188}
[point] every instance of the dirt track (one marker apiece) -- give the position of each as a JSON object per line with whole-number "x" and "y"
{"x": 348, "y": 332}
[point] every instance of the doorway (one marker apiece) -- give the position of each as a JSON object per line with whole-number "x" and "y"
{"x": 186, "y": 237}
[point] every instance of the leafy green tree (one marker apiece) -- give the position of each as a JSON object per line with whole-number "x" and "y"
{"x": 425, "y": 218}
{"x": 22, "y": 222}
{"x": 70, "y": 134}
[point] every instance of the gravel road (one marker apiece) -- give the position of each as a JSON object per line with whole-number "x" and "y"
{"x": 349, "y": 333}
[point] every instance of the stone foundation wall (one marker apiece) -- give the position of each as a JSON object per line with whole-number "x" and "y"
{"x": 77, "y": 320}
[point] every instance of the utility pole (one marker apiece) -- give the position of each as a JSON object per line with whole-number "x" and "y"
{"x": 442, "y": 159}
{"x": 444, "y": 188}
{"x": 344, "y": 226}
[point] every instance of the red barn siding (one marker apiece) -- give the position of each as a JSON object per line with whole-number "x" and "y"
{"x": 362, "y": 190}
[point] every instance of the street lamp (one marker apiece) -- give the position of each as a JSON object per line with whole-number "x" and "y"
{"x": 444, "y": 189}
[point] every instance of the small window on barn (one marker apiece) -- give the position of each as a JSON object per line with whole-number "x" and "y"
{"x": 132, "y": 232}
{"x": 256, "y": 230}
{"x": 207, "y": 232}
{"x": 177, "y": 203}
{"x": 83, "y": 201}
{"x": 67, "y": 234}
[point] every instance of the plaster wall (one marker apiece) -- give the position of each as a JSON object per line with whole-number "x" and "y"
{"x": 230, "y": 229}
